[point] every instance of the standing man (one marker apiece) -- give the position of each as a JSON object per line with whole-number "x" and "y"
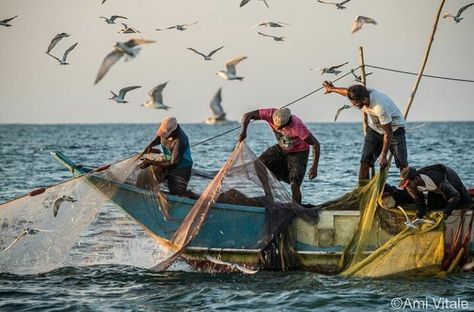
{"x": 445, "y": 189}
{"x": 385, "y": 131}
{"x": 177, "y": 165}
{"x": 288, "y": 159}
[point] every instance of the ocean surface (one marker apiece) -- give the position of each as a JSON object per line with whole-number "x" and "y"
{"x": 26, "y": 164}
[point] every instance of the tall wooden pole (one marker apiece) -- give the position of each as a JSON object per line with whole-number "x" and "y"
{"x": 362, "y": 66}
{"x": 425, "y": 59}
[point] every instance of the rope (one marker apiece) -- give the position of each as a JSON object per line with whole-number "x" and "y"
{"x": 286, "y": 105}
{"x": 414, "y": 74}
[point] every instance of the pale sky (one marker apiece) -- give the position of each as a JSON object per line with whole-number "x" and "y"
{"x": 35, "y": 89}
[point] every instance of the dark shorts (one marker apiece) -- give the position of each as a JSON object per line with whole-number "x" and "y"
{"x": 373, "y": 144}
{"x": 288, "y": 167}
{"x": 178, "y": 180}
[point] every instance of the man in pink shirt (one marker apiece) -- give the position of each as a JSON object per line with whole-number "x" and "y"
{"x": 288, "y": 159}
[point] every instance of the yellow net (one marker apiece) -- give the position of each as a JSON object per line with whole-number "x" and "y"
{"x": 416, "y": 250}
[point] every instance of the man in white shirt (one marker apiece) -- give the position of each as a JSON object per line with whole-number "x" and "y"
{"x": 386, "y": 127}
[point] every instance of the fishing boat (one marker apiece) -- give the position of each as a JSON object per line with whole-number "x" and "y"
{"x": 231, "y": 232}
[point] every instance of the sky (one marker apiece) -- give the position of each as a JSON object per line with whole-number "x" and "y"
{"x": 35, "y": 89}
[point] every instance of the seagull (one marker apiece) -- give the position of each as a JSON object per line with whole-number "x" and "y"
{"x": 340, "y": 110}
{"x": 156, "y": 98}
{"x": 244, "y": 2}
{"x": 208, "y": 56}
{"x": 112, "y": 19}
{"x": 330, "y": 70}
{"x": 181, "y": 27}
{"x": 274, "y": 37}
{"x": 339, "y": 5}
{"x": 27, "y": 231}
{"x": 234, "y": 266}
{"x": 271, "y": 24}
{"x": 55, "y": 40}
{"x": 413, "y": 224}
{"x": 5, "y": 21}
{"x": 216, "y": 106}
{"x": 231, "y": 72}
{"x": 358, "y": 78}
{"x": 63, "y": 60}
{"x": 120, "y": 98}
{"x": 359, "y": 21}
{"x": 103, "y": 1}
{"x": 58, "y": 202}
{"x": 120, "y": 48}
{"x": 128, "y": 29}
{"x": 458, "y": 17}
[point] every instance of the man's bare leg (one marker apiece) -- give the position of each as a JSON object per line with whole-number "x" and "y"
{"x": 296, "y": 192}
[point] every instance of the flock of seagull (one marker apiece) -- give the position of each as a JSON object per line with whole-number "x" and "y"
{"x": 129, "y": 50}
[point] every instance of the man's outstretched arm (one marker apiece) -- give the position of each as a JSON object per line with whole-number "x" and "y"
{"x": 330, "y": 88}
{"x": 255, "y": 115}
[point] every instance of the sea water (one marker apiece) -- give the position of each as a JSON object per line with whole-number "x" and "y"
{"x": 26, "y": 164}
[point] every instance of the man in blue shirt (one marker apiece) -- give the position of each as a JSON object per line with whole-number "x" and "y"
{"x": 176, "y": 166}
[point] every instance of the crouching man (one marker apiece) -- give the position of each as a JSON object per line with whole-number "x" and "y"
{"x": 445, "y": 189}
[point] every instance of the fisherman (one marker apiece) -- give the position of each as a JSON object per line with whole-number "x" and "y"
{"x": 288, "y": 159}
{"x": 445, "y": 189}
{"x": 385, "y": 130}
{"x": 177, "y": 162}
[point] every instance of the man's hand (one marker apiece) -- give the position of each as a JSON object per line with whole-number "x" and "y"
{"x": 313, "y": 172}
{"x": 242, "y": 136}
{"x": 145, "y": 163}
{"x": 328, "y": 86}
{"x": 383, "y": 162}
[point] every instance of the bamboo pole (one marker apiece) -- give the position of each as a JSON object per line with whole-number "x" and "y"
{"x": 362, "y": 66}
{"x": 425, "y": 59}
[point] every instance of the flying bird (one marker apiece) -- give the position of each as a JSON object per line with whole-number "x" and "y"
{"x": 274, "y": 37}
{"x": 231, "y": 72}
{"x": 120, "y": 98}
{"x": 55, "y": 40}
{"x": 63, "y": 60}
{"x": 103, "y": 1}
{"x": 457, "y": 18}
{"x": 58, "y": 202}
{"x": 27, "y": 231}
{"x": 358, "y": 78}
{"x": 208, "y": 56}
{"x": 339, "y": 5}
{"x": 330, "y": 70}
{"x": 181, "y": 27}
{"x": 271, "y": 24}
{"x": 216, "y": 106}
{"x": 361, "y": 20}
{"x": 112, "y": 19}
{"x": 120, "y": 49}
{"x": 156, "y": 98}
{"x": 244, "y": 2}
{"x": 5, "y": 21}
{"x": 340, "y": 110}
{"x": 128, "y": 29}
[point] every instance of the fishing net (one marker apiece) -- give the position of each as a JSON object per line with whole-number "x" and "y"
{"x": 414, "y": 249}
{"x": 75, "y": 222}
{"x": 243, "y": 207}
